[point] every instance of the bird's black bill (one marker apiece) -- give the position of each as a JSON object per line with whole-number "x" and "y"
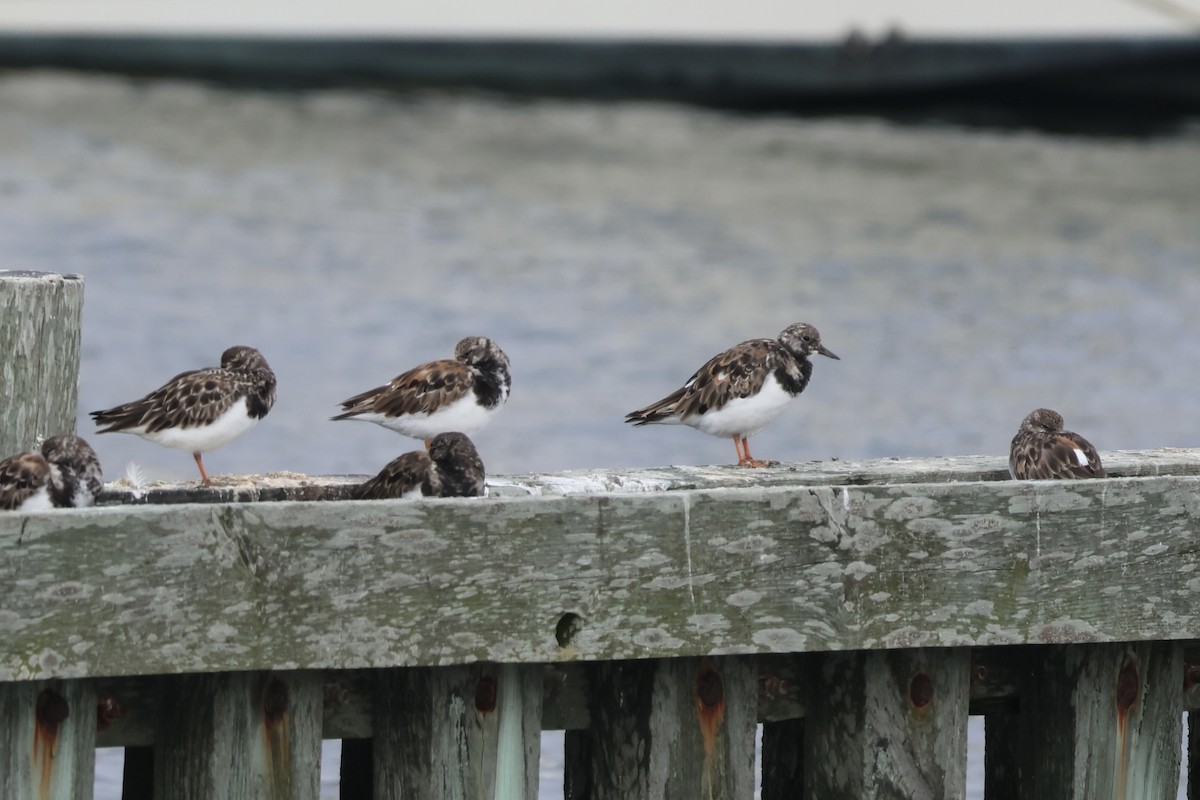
{"x": 825, "y": 351}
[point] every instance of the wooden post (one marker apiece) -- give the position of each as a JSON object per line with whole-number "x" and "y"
{"x": 1103, "y": 722}
{"x": 888, "y": 724}
{"x": 39, "y": 356}
{"x": 228, "y": 736}
{"x": 47, "y": 740}
{"x": 783, "y": 759}
{"x": 463, "y": 731}
{"x": 675, "y": 728}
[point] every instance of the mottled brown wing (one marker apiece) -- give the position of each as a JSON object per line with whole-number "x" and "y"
{"x": 737, "y": 372}
{"x": 401, "y": 476}
{"x": 1053, "y": 457}
{"x": 20, "y": 477}
{"x": 77, "y": 464}
{"x": 190, "y": 399}
{"x": 423, "y": 389}
{"x": 459, "y": 465}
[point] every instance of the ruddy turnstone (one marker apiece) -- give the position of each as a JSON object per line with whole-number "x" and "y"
{"x": 458, "y": 394}
{"x": 202, "y": 409}
{"x": 1042, "y": 450}
{"x": 451, "y": 468}
{"x": 65, "y": 474}
{"x": 458, "y": 463}
{"x": 79, "y": 479}
{"x": 738, "y": 392}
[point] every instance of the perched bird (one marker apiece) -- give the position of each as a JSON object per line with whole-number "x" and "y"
{"x": 79, "y": 480}
{"x": 450, "y": 468}
{"x": 411, "y": 475}
{"x": 1042, "y": 450}
{"x": 25, "y": 483}
{"x": 738, "y": 392}
{"x": 202, "y": 409}
{"x": 458, "y": 463}
{"x": 458, "y": 394}
{"x": 65, "y": 474}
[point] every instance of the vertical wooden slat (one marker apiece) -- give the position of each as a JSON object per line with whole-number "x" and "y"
{"x": 356, "y": 772}
{"x": 137, "y": 782}
{"x": 783, "y": 759}
{"x": 233, "y": 736}
{"x": 1193, "y": 759}
{"x": 287, "y": 722}
{"x": 39, "y": 356}
{"x": 1103, "y": 722}
{"x": 202, "y": 737}
{"x": 47, "y": 740}
{"x": 666, "y": 729}
{"x": 1001, "y": 765}
{"x": 468, "y": 731}
{"x": 888, "y": 724}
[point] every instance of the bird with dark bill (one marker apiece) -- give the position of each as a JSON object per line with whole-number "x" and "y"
{"x": 1042, "y": 450}
{"x": 451, "y": 394}
{"x": 65, "y": 474}
{"x": 202, "y": 409}
{"x": 738, "y": 392}
{"x": 450, "y": 468}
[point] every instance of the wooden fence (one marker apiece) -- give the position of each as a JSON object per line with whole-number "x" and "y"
{"x": 858, "y": 611}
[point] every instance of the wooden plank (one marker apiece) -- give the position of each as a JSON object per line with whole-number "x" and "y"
{"x": 349, "y": 696}
{"x": 888, "y": 724}
{"x": 39, "y": 356}
{"x": 151, "y": 590}
{"x": 1102, "y": 722}
{"x": 234, "y": 736}
{"x": 678, "y": 728}
{"x": 783, "y": 760}
{"x": 457, "y": 732}
{"x": 47, "y": 740}
{"x": 278, "y": 486}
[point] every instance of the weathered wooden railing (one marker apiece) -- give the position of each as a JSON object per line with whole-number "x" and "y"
{"x": 860, "y": 611}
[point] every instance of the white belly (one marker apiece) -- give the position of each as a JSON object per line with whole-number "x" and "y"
{"x": 744, "y": 416}
{"x": 227, "y": 427}
{"x": 463, "y": 415}
{"x": 38, "y": 501}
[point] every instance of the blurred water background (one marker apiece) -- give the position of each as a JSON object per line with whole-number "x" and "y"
{"x": 964, "y": 276}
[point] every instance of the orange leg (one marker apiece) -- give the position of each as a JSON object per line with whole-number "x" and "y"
{"x": 737, "y": 445}
{"x": 200, "y": 464}
{"x": 751, "y": 461}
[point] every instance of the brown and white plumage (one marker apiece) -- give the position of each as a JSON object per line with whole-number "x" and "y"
{"x": 738, "y": 392}
{"x": 450, "y": 468}
{"x": 411, "y": 475}
{"x": 24, "y": 483}
{"x": 65, "y": 474}
{"x": 458, "y": 463}
{"x": 1042, "y": 450}
{"x": 202, "y": 409}
{"x": 458, "y": 394}
{"x": 79, "y": 479}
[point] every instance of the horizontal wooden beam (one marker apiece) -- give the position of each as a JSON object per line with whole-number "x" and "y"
{"x": 785, "y": 568}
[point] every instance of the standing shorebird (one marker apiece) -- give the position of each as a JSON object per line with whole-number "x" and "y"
{"x": 202, "y": 409}
{"x": 458, "y": 394}
{"x": 1042, "y": 450}
{"x": 738, "y": 392}
{"x": 65, "y": 474}
{"x": 450, "y": 468}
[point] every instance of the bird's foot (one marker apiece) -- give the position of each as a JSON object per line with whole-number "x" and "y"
{"x": 757, "y": 463}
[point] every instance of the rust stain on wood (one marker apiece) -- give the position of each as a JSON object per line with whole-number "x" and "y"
{"x": 709, "y": 698}
{"x": 275, "y": 737}
{"x": 51, "y": 711}
{"x": 920, "y": 693}
{"x": 485, "y": 694}
{"x": 1128, "y": 691}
